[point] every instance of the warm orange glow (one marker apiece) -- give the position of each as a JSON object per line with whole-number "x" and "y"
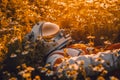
{"x": 96, "y": 22}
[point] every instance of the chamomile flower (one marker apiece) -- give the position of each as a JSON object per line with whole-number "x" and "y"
{"x": 49, "y": 73}
{"x": 30, "y": 68}
{"x": 43, "y": 70}
{"x": 13, "y": 55}
{"x": 80, "y": 62}
{"x": 73, "y": 66}
{"x": 27, "y": 46}
{"x": 100, "y": 78}
{"x": 68, "y": 74}
{"x": 26, "y": 75}
{"x": 18, "y": 67}
{"x": 25, "y": 52}
{"x": 37, "y": 77}
{"x": 99, "y": 60}
{"x": 104, "y": 72}
{"x": 21, "y": 72}
{"x": 74, "y": 73}
{"x": 98, "y": 68}
{"x": 13, "y": 78}
{"x": 113, "y": 78}
{"x": 47, "y": 65}
{"x": 89, "y": 1}
{"x": 24, "y": 66}
{"x": 60, "y": 70}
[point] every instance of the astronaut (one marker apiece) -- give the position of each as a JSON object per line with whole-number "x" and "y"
{"x": 59, "y": 47}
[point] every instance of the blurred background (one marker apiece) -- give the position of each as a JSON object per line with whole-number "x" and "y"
{"x": 99, "y": 18}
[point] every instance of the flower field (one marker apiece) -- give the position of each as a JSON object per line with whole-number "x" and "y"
{"x": 88, "y": 21}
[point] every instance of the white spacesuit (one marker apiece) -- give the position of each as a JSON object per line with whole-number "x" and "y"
{"x": 58, "y": 52}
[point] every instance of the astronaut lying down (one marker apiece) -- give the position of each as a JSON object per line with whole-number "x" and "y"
{"x": 61, "y": 56}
